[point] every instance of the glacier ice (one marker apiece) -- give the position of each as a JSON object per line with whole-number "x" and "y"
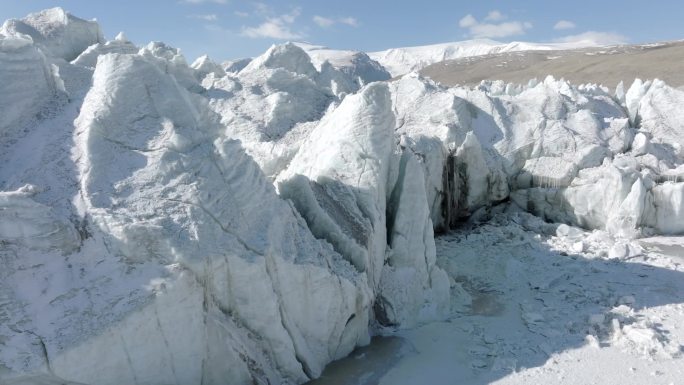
{"x": 356, "y": 67}
{"x": 208, "y": 186}
{"x": 235, "y": 66}
{"x": 275, "y": 101}
{"x": 341, "y": 182}
{"x": 88, "y": 58}
{"x": 27, "y": 223}
{"x": 56, "y": 31}
{"x": 170, "y": 60}
{"x": 28, "y": 83}
{"x": 255, "y": 220}
{"x": 203, "y": 66}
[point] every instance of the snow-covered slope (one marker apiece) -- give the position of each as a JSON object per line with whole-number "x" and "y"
{"x": 170, "y": 223}
{"x": 399, "y": 61}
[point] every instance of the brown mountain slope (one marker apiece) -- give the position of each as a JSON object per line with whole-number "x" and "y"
{"x": 607, "y": 66}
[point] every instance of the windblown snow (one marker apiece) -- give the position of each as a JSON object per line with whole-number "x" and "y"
{"x": 252, "y": 221}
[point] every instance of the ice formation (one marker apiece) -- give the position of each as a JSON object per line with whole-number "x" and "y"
{"x": 203, "y": 66}
{"x": 29, "y": 82}
{"x": 56, "y": 32}
{"x": 170, "y": 223}
{"x": 88, "y": 58}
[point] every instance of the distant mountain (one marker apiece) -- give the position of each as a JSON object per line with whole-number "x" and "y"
{"x": 605, "y": 65}
{"x": 399, "y": 61}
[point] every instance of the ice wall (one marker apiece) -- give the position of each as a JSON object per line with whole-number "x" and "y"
{"x": 571, "y": 154}
{"x": 344, "y": 180}
{"x": 148, "y": 146}
{"x": 27, "y": 83}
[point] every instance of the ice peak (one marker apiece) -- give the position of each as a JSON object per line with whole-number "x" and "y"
{"x": 203, "y": 66}
{"x": 288, "y": 56}
{"x": 201, "y": 60}
{"x": 121, "y": 37}
{"x": 56, "y": 32}
{"x": 161, "y": 49}
{"x": 56, "y": 14}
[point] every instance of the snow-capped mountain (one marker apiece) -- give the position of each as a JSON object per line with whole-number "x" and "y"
{"x": 399, "y": 61}
{"x": 162, "y": 222}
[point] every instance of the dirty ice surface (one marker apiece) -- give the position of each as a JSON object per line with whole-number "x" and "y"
{"x": 567, "y": 307}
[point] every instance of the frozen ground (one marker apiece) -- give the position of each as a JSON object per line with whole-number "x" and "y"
{"x": 541, "y": 309}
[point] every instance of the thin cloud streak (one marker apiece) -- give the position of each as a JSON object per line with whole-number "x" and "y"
{"x": 209, "y": 17}
{"x": 196, "y": 2}
{"x": 563, "y": 25}
{"x": 274, "y": 27}
{"x": 600, "y": 38}
{"x": 326, "y": 22}
{"x": 491, "y": 29}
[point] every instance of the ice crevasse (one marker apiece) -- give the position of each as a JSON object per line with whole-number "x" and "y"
{"x": 197, "y": 224}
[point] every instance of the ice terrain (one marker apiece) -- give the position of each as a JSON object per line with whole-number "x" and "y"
{"x": 534, "y": 308}
{"x": 165, "y": 222}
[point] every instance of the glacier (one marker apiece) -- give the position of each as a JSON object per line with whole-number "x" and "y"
{"x": 252, "y": 221}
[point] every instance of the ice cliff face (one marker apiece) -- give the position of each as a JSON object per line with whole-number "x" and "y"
{"x": 636, "y": 191}
{"x": 29, "y": 82}
{"x": 146, "y": 146}
{"x": 354, "y": 198}
{"x": 170, "y": 223}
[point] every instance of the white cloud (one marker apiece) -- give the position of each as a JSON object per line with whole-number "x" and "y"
{"x": 263, "y": 9}
{"x": 274, "y": 27}
{"x": 564, "y": 24}
{"x": 600, "y": 38}
{"x": 241, "y": 14}
{"x": 350, "y": 21}
{"x": 467, "y": 21}
{"x": 323, "y": 21}
{"x": 495, "y": 16}
{"x": 209, "y": 17}
{"x": 492, "y": 29}
{"x": 292, "y": 16}
{"x": 203, "y": 1}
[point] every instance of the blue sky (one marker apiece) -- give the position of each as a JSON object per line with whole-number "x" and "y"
{"x": 228, "y": 29}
